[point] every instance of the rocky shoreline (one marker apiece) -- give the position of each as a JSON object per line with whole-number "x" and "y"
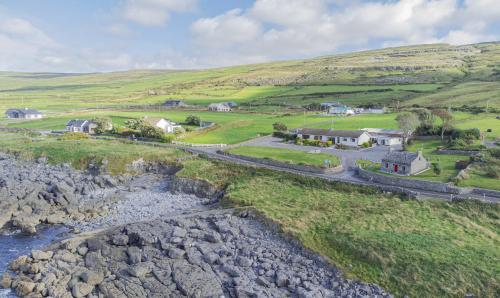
{"x": 135, "y": 237}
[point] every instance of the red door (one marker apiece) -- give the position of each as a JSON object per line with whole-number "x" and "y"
{"x": 395, "y": 168}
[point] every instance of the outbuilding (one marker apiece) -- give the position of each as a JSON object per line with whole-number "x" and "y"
{"x": 404, "y": 163}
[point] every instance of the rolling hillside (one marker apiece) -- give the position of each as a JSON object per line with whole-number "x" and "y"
{"x": 430, "y": 75}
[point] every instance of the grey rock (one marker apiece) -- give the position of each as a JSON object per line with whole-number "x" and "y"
{"x": 192, "y": 281}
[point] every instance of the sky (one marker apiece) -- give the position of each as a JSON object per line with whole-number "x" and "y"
{"x": 115, "y": 35}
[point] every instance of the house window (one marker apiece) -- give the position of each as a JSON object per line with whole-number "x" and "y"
{"x": 317, "y": 137}
{"x": 386, "y": 165}
{"x": 345, "y": 139}
{"x": 353, "y": 140}
{"x": 305, "y": 136}
{"x": 404, "y": 169}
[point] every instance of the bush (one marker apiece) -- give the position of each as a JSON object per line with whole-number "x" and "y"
{"x": 298, "y": 141}
{"x": 280, "y": 126}
{"x": 193, "y": 120}
{"x": 329, "y": 143}
{"x": 436, "y": 168}
{"x": 167, "y": 138}
{"x": 103, "y": 125}
{"x": 366, "y": 145}
{"x": 69, "y": 136}
{"x": 492, "y": 171}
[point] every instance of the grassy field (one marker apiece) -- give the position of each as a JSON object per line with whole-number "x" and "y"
{"x": 80, "y": 153}
{"x": 436, "y": 74}
{"x": 420, "y": 249}
{"x": 287, "y": 156}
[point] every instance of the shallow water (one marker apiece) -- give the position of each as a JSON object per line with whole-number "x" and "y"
{"x": 15, "y": 245}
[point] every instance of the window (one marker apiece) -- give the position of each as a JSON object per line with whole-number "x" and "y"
{"x": 386, "y": 165}
{"x": 404, "y": 169}
{"x": 317, "y": 137}
{"x": 353, "y": 140}
{"x": 345, "y": 139}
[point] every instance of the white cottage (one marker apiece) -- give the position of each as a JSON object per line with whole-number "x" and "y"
{"x": 351, "y": 138}
{"x": 165, "y": 125}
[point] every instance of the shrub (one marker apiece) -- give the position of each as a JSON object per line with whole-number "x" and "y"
{"x": 329, "y": 143}
{"x": 280, "y": 126}
{"x": 298, "y": 141}
{"x": 193, "y": 120}
{"x": 73, "y": 136}
{"x": 167, "y": 138}
{"x": 492, "y": 171}
{"x": 436, "y": 168}
{"x": 104, "y": 124}
{"x": 366, "y": 145}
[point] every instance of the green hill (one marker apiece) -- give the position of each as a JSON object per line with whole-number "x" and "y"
{"x": 431, "y": 75}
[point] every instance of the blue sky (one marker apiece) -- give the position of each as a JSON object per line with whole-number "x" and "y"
{"x": 109, "y": 35}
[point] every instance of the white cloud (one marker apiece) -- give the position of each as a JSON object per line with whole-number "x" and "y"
{"x": 226, "y": 30}
{"x": 298, "y": 28}
{"x": 155, "y": 12}
{"x": 119, "y": 30}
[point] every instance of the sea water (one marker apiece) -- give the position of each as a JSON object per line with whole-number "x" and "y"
{"x": 13, "y": 245}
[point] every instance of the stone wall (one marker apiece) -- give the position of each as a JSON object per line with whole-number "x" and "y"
{"x": 486, "y": 192}
{"x": 408, "y": 183}
{"x": 457, "y": 152}
{"x": 274, "y": 163}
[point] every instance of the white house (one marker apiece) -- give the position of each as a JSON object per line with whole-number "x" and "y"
{"x": 84, "y": 126}
{"x": 165, "y": 125}
{"x": 386, "y": 137}
{"x": 219, "y": 107}
{"x": 341, "y": 110}
{"x": 23, "y": 114}
{"x": 351, "y": 138}
{"x": 374, "y": 111}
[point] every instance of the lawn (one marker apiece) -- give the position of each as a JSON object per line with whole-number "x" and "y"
{"x": 287, "y": 156}
{"x": 421, "y": 249}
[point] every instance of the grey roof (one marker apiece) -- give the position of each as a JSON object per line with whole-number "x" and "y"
{"x": 24, "y": 111}
{"x": 331, "y": 133}
{"x": 76, "y": 122}
{"x": 401, "y": 157}
{"x": 173, "y": 102}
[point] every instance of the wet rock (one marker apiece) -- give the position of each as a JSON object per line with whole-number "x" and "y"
{"x": 6, "y": 281}
{"x": 25, "y": 288}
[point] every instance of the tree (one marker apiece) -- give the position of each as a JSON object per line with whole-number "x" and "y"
{"x": 426, "y": 117}
{"x": 193, "y": 120}
{"x": 446, "y": 118}
{"x": 280, "y": 126}
{"x": 133, "y": 123}
{"x": 407, "y": 122}
{"x": 103, "y": 125}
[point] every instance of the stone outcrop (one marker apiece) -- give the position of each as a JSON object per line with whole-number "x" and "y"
{"x": 210, "y": 254}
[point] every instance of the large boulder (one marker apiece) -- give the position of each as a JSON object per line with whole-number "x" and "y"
{"x": 192, "y": 281}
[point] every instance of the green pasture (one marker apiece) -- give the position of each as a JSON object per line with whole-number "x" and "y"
{"x": 420, "y": 249}
{"x": 287, "y": 155}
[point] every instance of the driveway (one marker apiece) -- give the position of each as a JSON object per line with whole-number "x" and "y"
{"x": 348, "y": 157}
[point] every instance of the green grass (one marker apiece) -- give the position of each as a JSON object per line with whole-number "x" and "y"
{"x": 420, "y": 249}
{"x": 428, "y": 74}
{"x": 80, "y": 153}
{"x": 423, "y": 249}
{"x": 287, "y": 155}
